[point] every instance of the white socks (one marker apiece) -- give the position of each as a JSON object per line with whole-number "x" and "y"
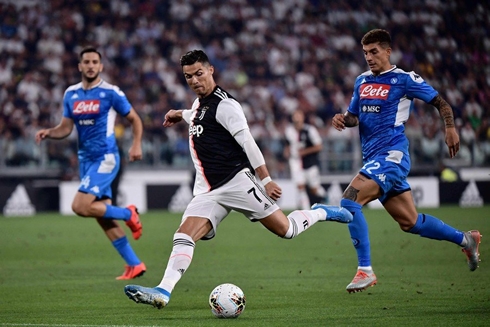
{"x": 180, "y": 260}
{"x": 304, "y": 201}
{"x": 300, "y": 220}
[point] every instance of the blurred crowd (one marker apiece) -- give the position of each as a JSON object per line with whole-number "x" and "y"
{"x": 273, "y": 56}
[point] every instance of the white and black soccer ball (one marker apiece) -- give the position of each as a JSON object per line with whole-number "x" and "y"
{"x": 227, "y": 301}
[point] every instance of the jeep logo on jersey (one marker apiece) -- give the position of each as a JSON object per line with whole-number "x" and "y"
{"x": 369, "y": 109}
{"x": 375, "y": 91}
{"x": 86, "y": 107}
{"x": 196, "y": 130}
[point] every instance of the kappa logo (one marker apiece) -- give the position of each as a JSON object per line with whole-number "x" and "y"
{"x": 74, "y": 96}
{"x": 86, "y": 107}
{"x": 181, "y": 271}
{"x": 381, "y": 177}
{"x": 375, "y": 91}
{"x": 95, "y": 189}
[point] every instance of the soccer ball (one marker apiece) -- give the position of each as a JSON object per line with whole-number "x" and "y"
{"x": 227, "y": 301}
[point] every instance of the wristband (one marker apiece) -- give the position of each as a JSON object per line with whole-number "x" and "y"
{"x": 266, "y": 180}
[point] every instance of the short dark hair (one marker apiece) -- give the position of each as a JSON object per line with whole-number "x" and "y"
{"x": 377, "y": 35}
{"x": 90, "y": 49}
{"x": 191, "y": 57}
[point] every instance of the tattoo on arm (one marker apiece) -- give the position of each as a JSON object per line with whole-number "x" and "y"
{"x": 350, "y": 193}
{"x": 350, "y": 120}
{"x": 445, "y": 110}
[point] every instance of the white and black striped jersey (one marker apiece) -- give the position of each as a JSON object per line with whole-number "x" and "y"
{"x": 217, "y": 157}
{"x": 307, "y": 137}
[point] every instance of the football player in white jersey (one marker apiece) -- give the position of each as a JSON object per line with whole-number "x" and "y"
{"x": 225, "y": 157}
{"x": 304, "y": 143}
{"x": 380, "y": 106}
{"x": 91, "y": 106}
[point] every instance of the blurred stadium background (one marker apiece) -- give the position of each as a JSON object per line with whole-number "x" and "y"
{"x": 273, "y": 56}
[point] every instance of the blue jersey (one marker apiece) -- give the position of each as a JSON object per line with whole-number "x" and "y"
{"x": 383, "y": 104}
{"x": 94, "y": 113}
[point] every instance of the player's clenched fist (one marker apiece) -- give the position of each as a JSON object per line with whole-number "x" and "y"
{"x": 338, "y": 122}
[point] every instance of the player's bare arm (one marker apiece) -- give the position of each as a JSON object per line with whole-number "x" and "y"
{"x": 135, "y": 152}
{"x": 341, "y": 121}
{"x": 273, "y": 190}
{"x": 172, "y": 117}
{"x": 62, "y": 130}
{"x": 446, "y": 113}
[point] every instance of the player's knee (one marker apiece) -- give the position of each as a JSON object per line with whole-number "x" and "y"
{"x": 405, "y": 224}
{"x": 79, "y": 209}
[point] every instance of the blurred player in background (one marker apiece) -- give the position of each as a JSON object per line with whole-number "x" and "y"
{"x": 304, "y": 143}
{"x": 92, "y": 106}
{"x": 381, "y": 105}
{"x": 225, "y": 156}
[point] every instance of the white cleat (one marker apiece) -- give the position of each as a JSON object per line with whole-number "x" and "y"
{"x": 146, "y": 295}
{"x": 471, "y": 249}
{"x": 361, "y": 281}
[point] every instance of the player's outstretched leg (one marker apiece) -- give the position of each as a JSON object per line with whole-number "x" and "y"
{"x": 156, "y": 296}
{"x": 362, "y": 280}
{"x": 334, "y": 213}
{"x": 473, "y": 239}
{"x": 134, "y": 222}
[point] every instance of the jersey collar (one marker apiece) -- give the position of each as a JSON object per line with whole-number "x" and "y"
{"x": 389, "y": 70}
{"x": 96, "y": 85}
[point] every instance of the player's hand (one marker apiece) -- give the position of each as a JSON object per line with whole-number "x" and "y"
{"x": 273, "y": 190}
{"x": 338, "y": 122}
{"x": 452, "y": 141}
{"x": 41, "y": 135}
{"x": 135, "y": 152}
{"x": 172, "y": 117}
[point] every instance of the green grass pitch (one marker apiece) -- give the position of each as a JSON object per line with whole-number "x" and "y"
{"x": 60, "y": 271}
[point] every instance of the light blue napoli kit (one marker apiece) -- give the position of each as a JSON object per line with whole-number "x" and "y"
{"x": 383, "y": 104}
{"x": 94, "y": 113}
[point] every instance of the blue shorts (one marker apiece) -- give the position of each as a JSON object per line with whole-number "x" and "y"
{"x": 389, "y": 170}
{"x": 97, "y": 175}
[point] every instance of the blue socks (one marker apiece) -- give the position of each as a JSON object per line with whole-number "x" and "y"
{"x": 113, "y": 212}
{"x": 359, "y": 234}
{"x": 431, "y": 227}
{"x": 126, "y": 251}
{"x": 426, "y": 226}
